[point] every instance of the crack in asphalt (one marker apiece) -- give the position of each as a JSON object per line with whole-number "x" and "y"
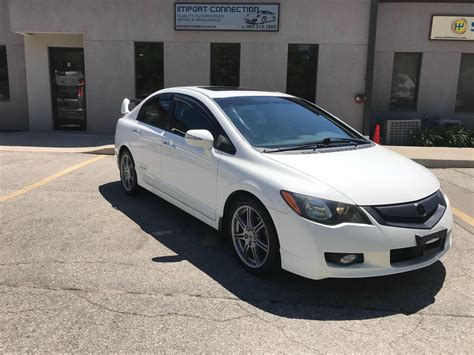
{"x": 65, "y": 262}
{"x": 235, "y": 299}
{"x": 168, "y": 314}
{"x": 27, "y": 310}
{"x": 393, "y": 342}
{"x": 281, "y": 329}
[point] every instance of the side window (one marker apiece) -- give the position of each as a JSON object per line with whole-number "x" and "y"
{"x": 187, "y": 116}
{"x": 157, "y": 113}
{"x": 190, "y": 116}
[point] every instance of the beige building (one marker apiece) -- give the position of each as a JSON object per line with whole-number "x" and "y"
{"x": 69, "y": 64}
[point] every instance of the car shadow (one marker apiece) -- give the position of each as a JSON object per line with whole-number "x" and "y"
{"x": 283, "y": 294}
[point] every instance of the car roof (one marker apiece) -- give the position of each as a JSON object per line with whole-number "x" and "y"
{"x": 225, "y": 91}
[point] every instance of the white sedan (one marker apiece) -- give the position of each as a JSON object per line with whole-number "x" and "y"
{"x": 290, "y": 184}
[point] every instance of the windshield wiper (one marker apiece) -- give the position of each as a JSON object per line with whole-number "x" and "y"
{"x": 343, "y": 140}
{"x": 326, "y": 142}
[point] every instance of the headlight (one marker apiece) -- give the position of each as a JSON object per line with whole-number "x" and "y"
{"x": 324, "y": 211}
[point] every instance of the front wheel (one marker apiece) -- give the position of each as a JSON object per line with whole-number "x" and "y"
{"x": 254, "y": 237}
{"x": 128, "y": 175}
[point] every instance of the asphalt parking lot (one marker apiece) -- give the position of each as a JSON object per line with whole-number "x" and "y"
{"x": 84, "y": 267}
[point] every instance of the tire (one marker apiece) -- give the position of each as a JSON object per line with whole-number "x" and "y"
{"x": 128, "y": 175}
{"x": 255, "y": 240}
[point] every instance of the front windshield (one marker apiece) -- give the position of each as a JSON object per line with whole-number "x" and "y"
{"x": 279, "y": 122}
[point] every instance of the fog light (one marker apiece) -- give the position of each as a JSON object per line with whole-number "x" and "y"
{"x": 348, "y": 259}
{"x": 344, "y": 259}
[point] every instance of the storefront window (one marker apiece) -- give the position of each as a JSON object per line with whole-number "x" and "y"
{"x": 302, "y": 70}
{"x": 405, "y": 78}
{"x": 465, "y": 95}
{"x": 148, "y": 68}
{"x": 225, "y": 64}
{"x": 4, "y": 86}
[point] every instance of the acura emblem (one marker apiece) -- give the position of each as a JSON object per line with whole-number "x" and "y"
{"x": 421, "y": 210}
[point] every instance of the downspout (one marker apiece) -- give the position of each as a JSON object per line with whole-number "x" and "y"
{"x": 369, "y": 78}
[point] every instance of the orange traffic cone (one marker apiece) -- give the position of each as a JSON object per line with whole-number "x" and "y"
{"x": 376, "y": 137}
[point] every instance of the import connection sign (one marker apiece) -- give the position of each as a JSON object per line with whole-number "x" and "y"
{"x": 227, "y": 17}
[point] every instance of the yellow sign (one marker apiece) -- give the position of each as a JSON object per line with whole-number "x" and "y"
{"x": 452, "y": 28}
{"x": 459, "y": 26}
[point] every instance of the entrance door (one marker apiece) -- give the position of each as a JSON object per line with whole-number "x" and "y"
{"x": 68, "y": 88}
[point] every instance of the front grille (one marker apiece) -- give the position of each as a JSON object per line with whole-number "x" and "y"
{"x": 425, "y": 251}
{"x": 421, "y": 214}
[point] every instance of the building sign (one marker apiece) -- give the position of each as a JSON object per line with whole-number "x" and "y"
{"x": 226, "y": 16}
{"x": 452, "y": 28}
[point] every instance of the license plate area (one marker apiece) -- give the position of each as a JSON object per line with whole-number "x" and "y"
{"x": 431, "y": 243}
{"x": 426, "y": 246}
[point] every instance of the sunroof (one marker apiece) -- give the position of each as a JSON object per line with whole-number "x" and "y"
{"x": 224, "y": 88}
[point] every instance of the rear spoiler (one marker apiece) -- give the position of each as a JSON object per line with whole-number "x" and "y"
{"x": 126, "y": 104}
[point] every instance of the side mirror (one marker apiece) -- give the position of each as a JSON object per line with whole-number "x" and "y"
{"x": 125, "y": 103}
{"x": 199, "y": 138}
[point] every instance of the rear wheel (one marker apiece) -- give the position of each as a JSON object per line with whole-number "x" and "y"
{"x": 128, "y": 175}
{"x": 254, "y": 236}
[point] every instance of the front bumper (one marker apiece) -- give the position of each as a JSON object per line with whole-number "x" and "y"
{"x": 303, "y": 244}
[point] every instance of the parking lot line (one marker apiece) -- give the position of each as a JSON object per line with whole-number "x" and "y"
{"x": 48, "y": 179}
{"x": 464, "y": 216}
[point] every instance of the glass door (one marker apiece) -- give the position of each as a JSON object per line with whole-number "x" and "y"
{"x": 68, "y": 88}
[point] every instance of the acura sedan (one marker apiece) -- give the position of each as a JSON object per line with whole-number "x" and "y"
{"x": 291, "y": 185}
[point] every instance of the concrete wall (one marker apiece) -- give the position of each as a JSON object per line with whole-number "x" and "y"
{"x": 406, "y": 28}
{"x": 13, "y": 113}
{"x": 110, "y": 71}
{"x": 110, "y": 27}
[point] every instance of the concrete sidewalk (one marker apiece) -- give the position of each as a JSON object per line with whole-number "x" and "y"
{"x": 438, "y": 157}
{"x": 77, "y": 142}
{"x": 60, "y": 142}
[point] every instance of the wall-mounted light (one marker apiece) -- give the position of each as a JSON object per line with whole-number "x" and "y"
{"x": 360, "y": 98}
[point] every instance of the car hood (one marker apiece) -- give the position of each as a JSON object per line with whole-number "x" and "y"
{"x": 367, "y": 176}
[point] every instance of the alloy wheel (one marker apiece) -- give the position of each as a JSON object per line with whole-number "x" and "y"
{"x": 127, "y": 172}
{"x": 250, "y": 236}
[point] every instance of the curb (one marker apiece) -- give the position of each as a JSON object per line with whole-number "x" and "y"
{"x": 437, "y": 157}
{"x": 103, "y": 150}
{"x": 444, "y": 164}
{"x": 99, "y": 150}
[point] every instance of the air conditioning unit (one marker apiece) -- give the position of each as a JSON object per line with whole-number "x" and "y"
{"x": 398, "y": 132}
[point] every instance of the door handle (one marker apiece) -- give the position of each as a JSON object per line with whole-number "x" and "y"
{"x": 171, "y": 145}
{"x": 137, "y": 131}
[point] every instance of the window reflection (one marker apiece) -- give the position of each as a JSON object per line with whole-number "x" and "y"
{"x": 465, "y": 94}
{"x": 302, "y": 70}
{"x": 4, "y": 86}
{"x": 404, "y": 93}
{"x": 148, "y": 68}
{"x": 225, "y": 64}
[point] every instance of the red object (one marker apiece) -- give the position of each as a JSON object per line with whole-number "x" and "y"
{"x": 376, "y": 137}
{"x": 80, "y": 88}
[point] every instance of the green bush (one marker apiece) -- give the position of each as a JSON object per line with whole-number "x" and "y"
{"x": 444, "y": 137}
